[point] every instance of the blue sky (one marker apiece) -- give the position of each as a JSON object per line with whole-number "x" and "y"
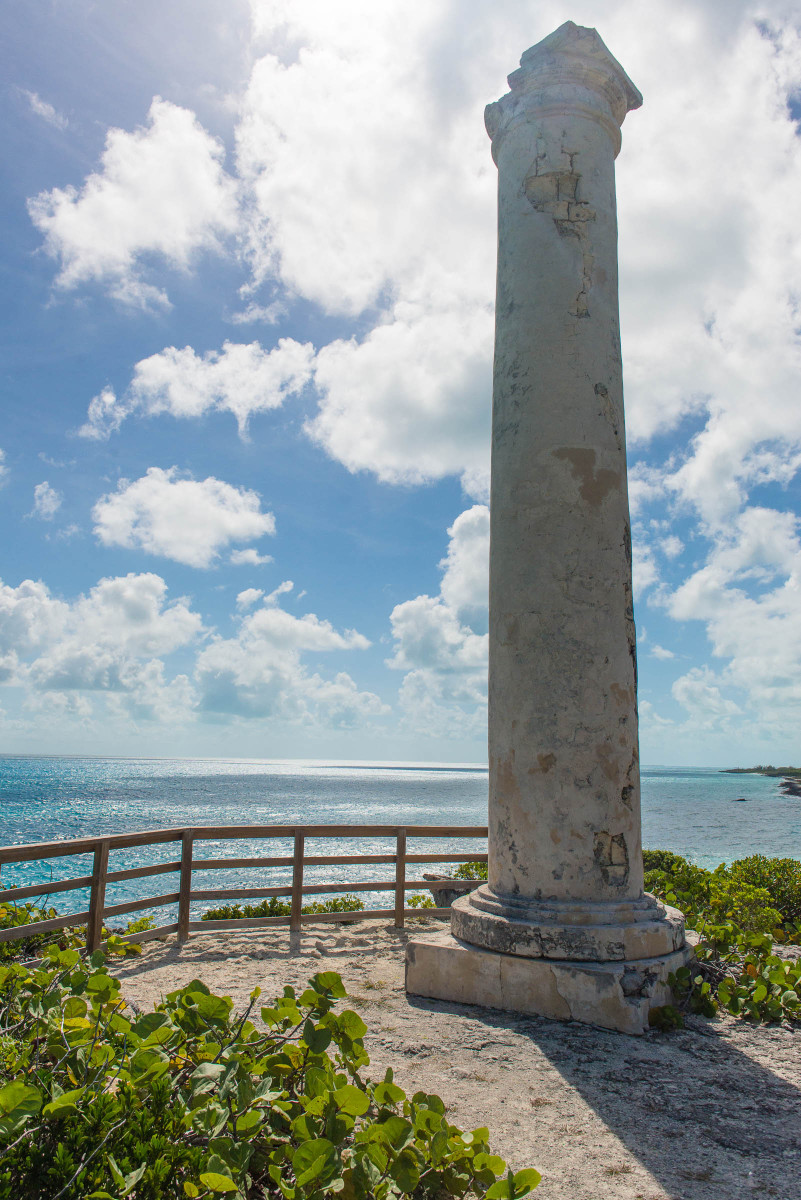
{"x": 248, "y": 284}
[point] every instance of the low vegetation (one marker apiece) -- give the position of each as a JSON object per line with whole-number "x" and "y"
{"x": 741, "y": 915}
{"x": 193, "y": 1100}
{"x": 273, "y": 907}
{"x": 765, "y": 769}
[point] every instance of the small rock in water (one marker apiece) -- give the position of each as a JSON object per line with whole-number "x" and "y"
{"x": 741, "y": 800}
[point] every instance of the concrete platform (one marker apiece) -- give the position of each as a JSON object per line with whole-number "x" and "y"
{"x": 612, "y": 995}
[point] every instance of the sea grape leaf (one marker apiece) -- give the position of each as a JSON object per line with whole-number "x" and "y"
{"x": 351, "y": 1100}
{"x": 217, "y": 1182}
{"x": 315, "y": 1160}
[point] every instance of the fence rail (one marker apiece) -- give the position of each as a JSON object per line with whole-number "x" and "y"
{"x": 187, "y": 865}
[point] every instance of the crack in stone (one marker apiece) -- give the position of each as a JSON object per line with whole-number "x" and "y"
{"x": 555, "y": 192}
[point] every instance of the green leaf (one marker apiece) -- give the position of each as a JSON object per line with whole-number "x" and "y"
{"x": 248, "y": 1121}
{"x": 191, "y": 1190}
{"x": 489, "y": 1162}
{"x": 132, "y": 1178}
{"x": 315, "y": 1160}
{"x": 19, "y": 1103}
{"x": 150, "y": 1022}
{"x": 15, "y": 1097}
{"x": 197, "y": 985}
{"x": 526, "y": 1181}
{"x": 406, "y": 1170}
{"x": 212, "y": 1008}
{"x": 514, "y": 1186}
{"x": 217, "y": 1182}
{"x": 205, "y": 1078}
{"x": 63, "y": 1104}
{"x": 149, "y": 1063}
{"x": 351, "y": 1100}
{"x": 388, "y": 1092}
{"x": 352, "y": 1024}
{"x": 329, "y": 981}
{"x": 397, "y": 1131}
{"x": 116, "y": 1173}
{"x": 318, "y": 1039}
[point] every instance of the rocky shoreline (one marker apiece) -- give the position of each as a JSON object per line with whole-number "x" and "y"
{"x": 790, "y": 786}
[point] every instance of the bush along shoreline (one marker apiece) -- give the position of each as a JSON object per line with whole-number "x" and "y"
{"x": 192, "y": 1100}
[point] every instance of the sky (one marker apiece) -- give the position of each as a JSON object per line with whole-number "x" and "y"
{"x": 248, "y": 283}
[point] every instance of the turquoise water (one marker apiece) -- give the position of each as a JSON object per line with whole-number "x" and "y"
{"x": 690, "y": 811}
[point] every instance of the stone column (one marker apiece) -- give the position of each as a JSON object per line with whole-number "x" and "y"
{"x": 563, "y": 925}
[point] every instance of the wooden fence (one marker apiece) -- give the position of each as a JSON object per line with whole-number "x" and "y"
{"x": 187, "y": 865}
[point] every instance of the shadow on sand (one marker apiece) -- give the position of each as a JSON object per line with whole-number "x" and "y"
{"x": 702, "y": 1114}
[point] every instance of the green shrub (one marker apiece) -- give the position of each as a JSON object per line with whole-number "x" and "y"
{"x": 193, "y": 1101}
{"x": 273, "y": 907}
{"x": 470, "y": 870}
{"x": 738, "y": 913}
{"x": 781, "y": 877}
{"x": 16, "y": 915}
{"x": 715, "y": 898}
{"x": 663, "y": 860}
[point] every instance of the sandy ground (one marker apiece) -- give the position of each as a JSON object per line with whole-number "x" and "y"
{"x": 711, "y": 1112}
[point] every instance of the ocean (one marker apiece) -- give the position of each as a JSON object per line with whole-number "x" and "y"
{"x": 691, "y": 811}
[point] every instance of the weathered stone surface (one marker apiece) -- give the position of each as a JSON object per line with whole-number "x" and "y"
{"x": 580, "y": 932}
{"x": 612, "y": 995}
{"x": 563, "y": 748}
{"x": 565, "y": 876}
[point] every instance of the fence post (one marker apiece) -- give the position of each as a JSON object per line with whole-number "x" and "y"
{"x": 185, "y": 889}
{"x": 297, "y": 883}
{"x": 400, "y": 879}
{"x": 97, "y": 897}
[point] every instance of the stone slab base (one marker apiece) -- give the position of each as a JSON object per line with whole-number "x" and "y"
{"x": 613, "y": 995}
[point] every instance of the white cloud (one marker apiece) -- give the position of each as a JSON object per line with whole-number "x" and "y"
{"x": 248, "y": 558}
{"x": 262, "y": 314}
{"x": 707, "y": 284}
{"x": 698, "y": 692}
{"x": 465, "y": 583}
{"x": 661, "y": 652}
{"x": 671, "y": 546}
{"x": 441, "y": 641}
{"x": 99, "y": 660}
{"x": 240, "y": 379}
{"x": 261, "y": 673}
{"x": 45, "y": 110}
{"x": 187, "y": 520}
{"x": 748, "y": 594}
{"x": 644, "y": 570}
{"x": 3, "y": 467}
{"x": 161, "y": 191}
{"x": 104, "y": 416}
{"x": 248, "y": 598}
{"x": 412, "y": 241}
{"x": 46, "y": 501}
{"x": 105, "y": 642}
{"x": 389, "y": 403}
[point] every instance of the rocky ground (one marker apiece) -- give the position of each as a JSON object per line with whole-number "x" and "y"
{"x": 711, "y": 1112}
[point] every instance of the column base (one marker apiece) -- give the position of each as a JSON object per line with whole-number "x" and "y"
{"x": 577, "y": 931}
{"x": 612, "y": 995}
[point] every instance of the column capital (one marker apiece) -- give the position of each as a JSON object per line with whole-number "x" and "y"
{"x": 569, "y": 72}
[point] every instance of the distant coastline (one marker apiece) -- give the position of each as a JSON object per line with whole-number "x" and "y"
{"x": 777, "y": 772}
{"x": 790, "y": 777}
